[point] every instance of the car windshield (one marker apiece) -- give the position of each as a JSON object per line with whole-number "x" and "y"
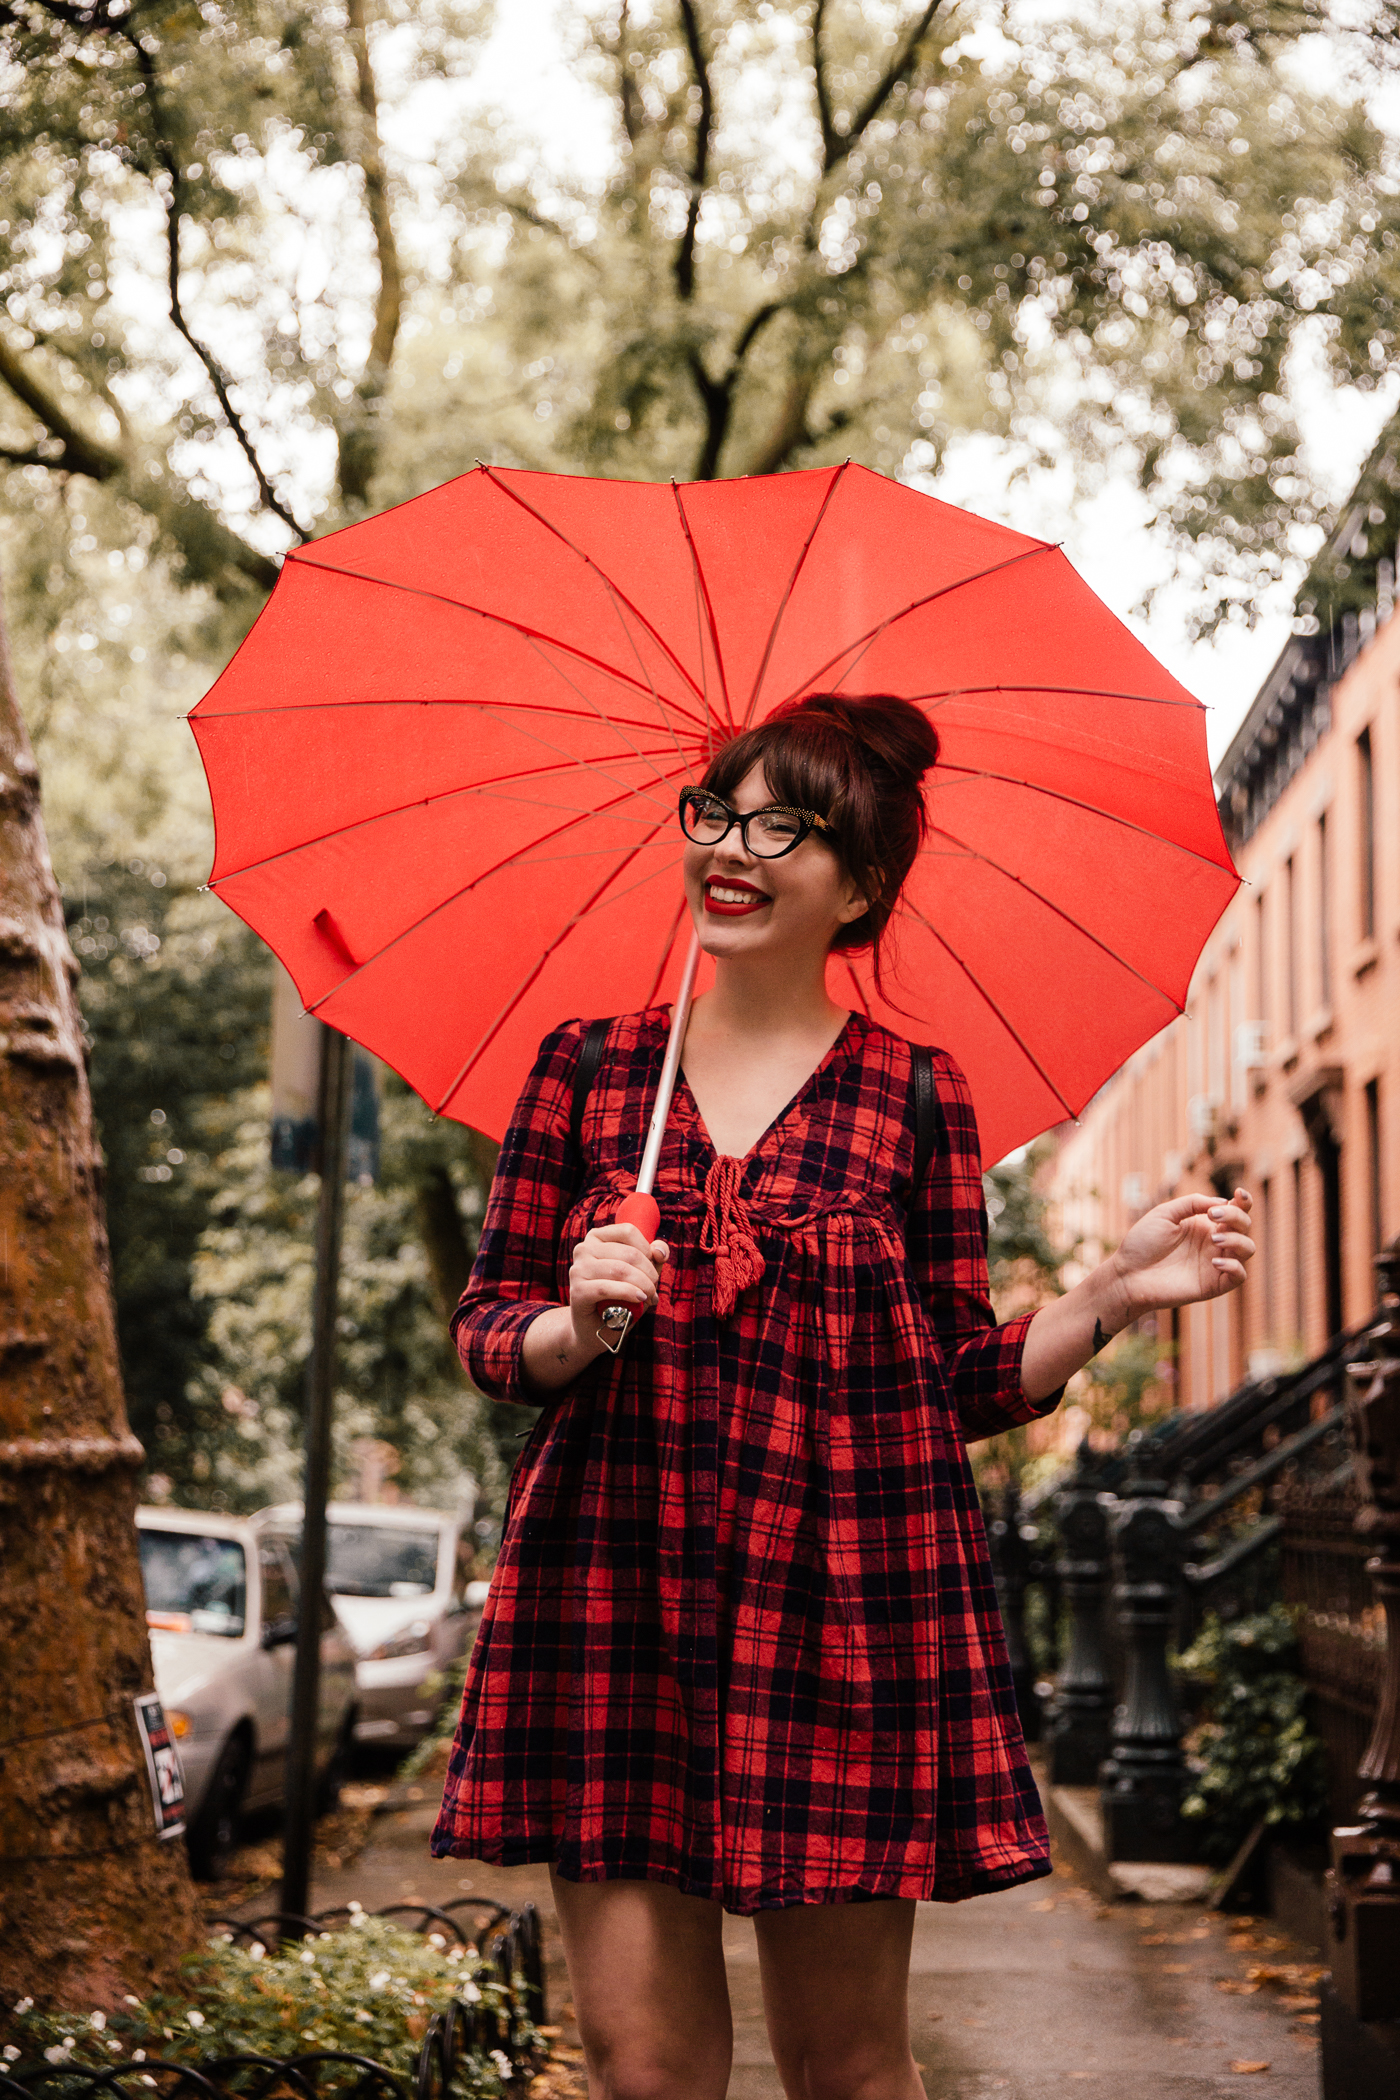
{"x": 194, "y": 1584}
{"x": 380, "y": 1560}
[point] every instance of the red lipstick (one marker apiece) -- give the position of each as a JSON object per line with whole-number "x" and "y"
{"x": 740, "y": 902}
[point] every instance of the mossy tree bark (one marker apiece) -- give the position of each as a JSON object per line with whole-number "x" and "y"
{"x": 92, "y": 1904}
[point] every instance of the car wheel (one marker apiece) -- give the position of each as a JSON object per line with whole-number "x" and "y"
{"x": 338, "y": 1770}
{"x": 213, "y": 1832}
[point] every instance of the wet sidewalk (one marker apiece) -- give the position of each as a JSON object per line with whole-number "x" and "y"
{"x": 1040, "y": 1994}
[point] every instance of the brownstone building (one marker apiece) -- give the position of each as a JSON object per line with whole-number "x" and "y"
{"x": 1283, "y": 1073}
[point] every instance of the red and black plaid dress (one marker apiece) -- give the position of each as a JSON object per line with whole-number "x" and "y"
{"x": 742, "y": 1636}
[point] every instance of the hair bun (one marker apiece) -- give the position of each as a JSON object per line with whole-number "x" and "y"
{"x": 894, "y": 733}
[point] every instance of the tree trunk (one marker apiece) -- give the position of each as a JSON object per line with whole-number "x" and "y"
{"x": 92, "y": 1904}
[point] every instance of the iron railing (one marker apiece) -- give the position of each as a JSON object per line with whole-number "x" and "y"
{"x": 509, "y": 1944}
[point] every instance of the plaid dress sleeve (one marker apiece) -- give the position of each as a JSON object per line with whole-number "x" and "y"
{"x": 515, "y": 1276}
{"x": 948, "y": 1251}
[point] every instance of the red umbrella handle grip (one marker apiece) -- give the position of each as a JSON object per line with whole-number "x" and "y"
{"x": 643, "y": 1212}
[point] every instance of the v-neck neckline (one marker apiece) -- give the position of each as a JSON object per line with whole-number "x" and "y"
{"x": 816, "y": 1073}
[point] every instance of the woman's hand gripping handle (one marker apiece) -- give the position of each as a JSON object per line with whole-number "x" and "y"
{"x": 616, "y": 1270}
{"x": 644, "y": 1215}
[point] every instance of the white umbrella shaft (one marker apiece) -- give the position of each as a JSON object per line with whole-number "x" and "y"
{"x": 616, "y": 1319}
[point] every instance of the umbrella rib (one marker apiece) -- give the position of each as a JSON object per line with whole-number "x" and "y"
{"x": 866, "y": 641}
{"x": 479, "y": 612}
{"x": 541, "y": 961}
{"x": 1065, "y": 692}
{"x": 382, "y": 816}
{"x": 1068, "y": 917}
{"x": 977, "y": 985}
{"x": 616, "y": 599}
{"x": 831, "y": 489}
{"x": 605, "y": 719}
{"x": 670, "y": 942}
{"x": 465, "y": 890}
{"x": 703, "y": 594}
{"x": 1091, "y": 809}
{"x": 311, "y": 707}
{"x": 620, "y": 597}
{"x": 857, "y": 987}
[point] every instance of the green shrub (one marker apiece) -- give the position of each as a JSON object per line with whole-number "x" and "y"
{"x": 372, "y": 1988}
{"x": 1254, "y": 1757}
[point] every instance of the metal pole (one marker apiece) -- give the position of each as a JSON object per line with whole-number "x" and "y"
{"x": 333, "y": 1124}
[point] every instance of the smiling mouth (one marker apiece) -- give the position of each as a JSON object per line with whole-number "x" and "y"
{"x": 733, "y": 900}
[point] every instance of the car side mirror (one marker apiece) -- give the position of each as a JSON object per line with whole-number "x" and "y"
{"x": 278, "y": 1633}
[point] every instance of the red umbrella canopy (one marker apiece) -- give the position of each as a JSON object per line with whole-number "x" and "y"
{"x": 445, "y": 766}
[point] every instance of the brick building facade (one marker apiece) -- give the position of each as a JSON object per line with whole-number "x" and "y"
{"x": 1283, "y": 1073}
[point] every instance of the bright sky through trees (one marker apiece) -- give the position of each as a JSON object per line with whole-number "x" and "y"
{"x": 524, "y": 72}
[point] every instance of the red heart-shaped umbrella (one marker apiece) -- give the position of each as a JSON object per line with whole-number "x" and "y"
{"x": 445, "y": 766}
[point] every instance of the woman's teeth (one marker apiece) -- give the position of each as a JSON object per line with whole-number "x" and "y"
{"x": 724, "y": 897}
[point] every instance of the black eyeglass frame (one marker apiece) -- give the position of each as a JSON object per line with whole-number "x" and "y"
{"x": 808, "y": 821}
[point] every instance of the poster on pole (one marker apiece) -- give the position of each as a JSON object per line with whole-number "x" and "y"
{"x": 296, "y": 1085}
{"x": 162, "y": 1765}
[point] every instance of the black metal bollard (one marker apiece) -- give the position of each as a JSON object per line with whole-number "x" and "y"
{"x": 1011, "y": 1558}
{"x": 1079, "y": 1718}
{"x": 1361, "y": 2007}
{"x": 1141, "y": 1782}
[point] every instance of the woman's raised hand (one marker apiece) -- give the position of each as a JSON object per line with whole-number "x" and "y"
{"x": 612, "y": 1265}
{"x": 1191, "y": 1249}
{"x": 1178, "y": 1254}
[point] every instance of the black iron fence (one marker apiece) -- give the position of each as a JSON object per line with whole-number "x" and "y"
{"x": 1253, "y": 1500}
{"x": 469, "y": 2042}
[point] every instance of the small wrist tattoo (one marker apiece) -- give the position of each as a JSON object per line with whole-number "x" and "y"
{"x": 1101, "y": 1340}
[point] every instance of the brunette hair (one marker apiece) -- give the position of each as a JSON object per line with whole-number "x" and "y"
{"x": 858, "y": 760}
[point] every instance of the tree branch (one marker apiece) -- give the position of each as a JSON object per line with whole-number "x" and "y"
{"x": 208, "y": 548}
{"x": 631, "y": 108}
{"x": 836, "y": 145}
{"x": 790, "y": 432}
{"x": 170, "y": 163}
{"x": 717, "y": 395}
{"x": 704, "y": 127}
{"x": 81, "y": 454}
{"x": 389, "y": 305}
{"x": 357, "y": 432}
{"x": 716, "y": 399}
{"x": 830, "y": 136}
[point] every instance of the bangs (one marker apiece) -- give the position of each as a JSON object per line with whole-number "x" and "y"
{"x": 804, "y": 768}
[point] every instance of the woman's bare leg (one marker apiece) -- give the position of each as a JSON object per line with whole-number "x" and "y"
{"x": 650, "y": 1994}
{"x": 836, "y": 1996}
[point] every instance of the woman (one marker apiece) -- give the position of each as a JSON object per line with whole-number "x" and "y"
{"x": 742, "y": 1648}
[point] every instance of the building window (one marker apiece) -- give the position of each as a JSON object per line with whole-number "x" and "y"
{"x": 1269, "y": 1253}
{"x": 1261, "y": 957}
{"x": 1299, "y": 1309}
{"x": 1374, "y": 1188}
{"x": 1324, "y": 915}
{"x": 1366, "y": 832}
{"x": 1290, "y": 939}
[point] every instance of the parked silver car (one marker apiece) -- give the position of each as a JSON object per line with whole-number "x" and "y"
{"x": 221, "y": 1604}
{"x": 400, "y": 1580}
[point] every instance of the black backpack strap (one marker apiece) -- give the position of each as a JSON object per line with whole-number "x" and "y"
{"x": 925, "y": 1117}
{"x": 590, "y": 1056}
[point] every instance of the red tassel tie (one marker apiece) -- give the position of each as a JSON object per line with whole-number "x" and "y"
{"x": 727, "y": 1233}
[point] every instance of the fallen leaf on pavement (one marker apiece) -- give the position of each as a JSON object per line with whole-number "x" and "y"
{"x": 1241, "y": 2063}
{"x": 1152, "y": 1939}
{"x": 1236, "y": 1989}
